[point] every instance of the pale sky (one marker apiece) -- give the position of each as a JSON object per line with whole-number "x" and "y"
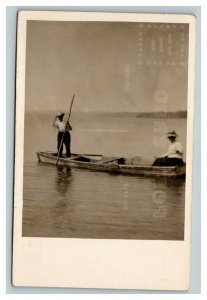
{"x": 110, "y": 66}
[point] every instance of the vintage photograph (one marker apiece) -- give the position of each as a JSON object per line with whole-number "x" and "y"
{"x": 105, "y": 127}
{"x": 103, "y": 150}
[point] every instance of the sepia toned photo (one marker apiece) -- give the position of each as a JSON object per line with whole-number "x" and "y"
{"x": 106, "y": 114}
{"x": 106, "y": 128}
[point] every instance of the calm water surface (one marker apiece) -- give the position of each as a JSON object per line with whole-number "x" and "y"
{"x": 64, "y": 202}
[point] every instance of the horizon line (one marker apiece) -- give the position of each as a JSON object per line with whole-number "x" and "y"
{"x": 110, "y": 112}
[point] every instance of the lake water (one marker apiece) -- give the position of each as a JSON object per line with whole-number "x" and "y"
{"x": 64, "y": 202}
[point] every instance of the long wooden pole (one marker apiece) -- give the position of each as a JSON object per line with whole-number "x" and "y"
{"x": 71, "y": 104}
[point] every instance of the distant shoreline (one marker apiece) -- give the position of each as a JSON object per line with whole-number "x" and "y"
{"x": 161, "y": 114}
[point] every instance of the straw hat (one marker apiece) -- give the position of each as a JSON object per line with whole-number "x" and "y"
{"x": 59, "y": 114}
{"x": 172, "y": 134}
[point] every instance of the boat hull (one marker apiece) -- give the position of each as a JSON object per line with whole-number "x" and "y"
{"x": 101, "y": 163}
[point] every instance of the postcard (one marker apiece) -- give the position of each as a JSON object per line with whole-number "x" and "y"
{"x": 103, "y": 150}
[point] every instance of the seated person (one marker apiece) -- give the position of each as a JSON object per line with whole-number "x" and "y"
{"x": 174, "y": 157}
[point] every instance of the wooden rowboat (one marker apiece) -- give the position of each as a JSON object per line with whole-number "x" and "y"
{"x": 117, "y": 165}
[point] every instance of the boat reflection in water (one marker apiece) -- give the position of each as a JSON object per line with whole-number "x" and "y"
{"x": 63, "y": 179}
{"x": 78, "y": 203}
{"x": 63, "y": 208}
{"x": 106, "y": 205}
{"x": 170, "y": 181}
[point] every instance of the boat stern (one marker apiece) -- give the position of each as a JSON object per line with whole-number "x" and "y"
{"x": 38, "y": 156}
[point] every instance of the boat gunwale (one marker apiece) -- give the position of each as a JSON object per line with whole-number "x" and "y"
{"x": 124, "y": 166}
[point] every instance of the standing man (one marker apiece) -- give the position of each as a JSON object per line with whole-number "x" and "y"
{"x": 63, "y": 136}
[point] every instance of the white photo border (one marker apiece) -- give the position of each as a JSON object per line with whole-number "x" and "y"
{"x": 157, "y": 265}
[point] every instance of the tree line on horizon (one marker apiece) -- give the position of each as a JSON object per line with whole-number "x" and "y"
{"x": 181, "y": 114}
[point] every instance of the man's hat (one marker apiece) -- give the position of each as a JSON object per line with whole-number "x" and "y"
{"x": 172, "y": 134}
{"x": 59, "y": 114}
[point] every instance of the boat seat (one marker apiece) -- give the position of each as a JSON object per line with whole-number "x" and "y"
{"x": 119, "y": 160}
{"x": 82, "y": 158}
